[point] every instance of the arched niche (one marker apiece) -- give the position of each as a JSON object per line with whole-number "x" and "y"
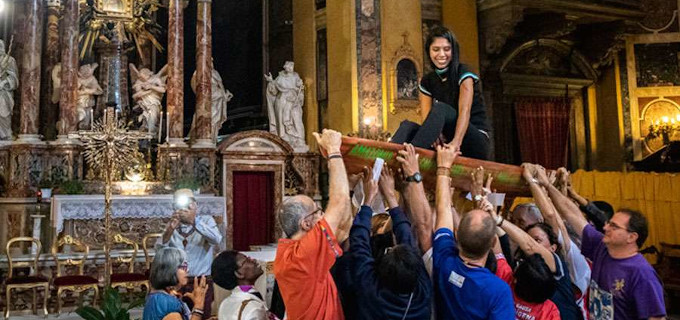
{"x": 405, "y": 72}
{"x": 545, "y": 67}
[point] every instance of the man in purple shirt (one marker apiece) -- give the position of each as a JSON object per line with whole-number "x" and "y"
{"x": 623, "y": 284}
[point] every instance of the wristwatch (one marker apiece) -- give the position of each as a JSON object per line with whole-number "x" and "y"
{"x": 416, "y": 177}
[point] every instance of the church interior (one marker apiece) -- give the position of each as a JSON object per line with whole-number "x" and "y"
{"x": 109, "y": 106}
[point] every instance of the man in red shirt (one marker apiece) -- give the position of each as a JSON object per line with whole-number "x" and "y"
{"x": 304, "y": 258}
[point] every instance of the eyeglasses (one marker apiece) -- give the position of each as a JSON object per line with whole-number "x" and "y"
{"x": 617, "y": 227}
{"x": 184, "y": 266}
{"x": 313, "y": 213}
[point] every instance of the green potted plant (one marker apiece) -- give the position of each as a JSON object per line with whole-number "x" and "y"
{"x": 111, "y": 308}
{"x": 46, "y": 186}
{"x": 71, "y": 187}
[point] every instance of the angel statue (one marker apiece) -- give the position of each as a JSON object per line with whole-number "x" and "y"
{"x": 149, "y": 88}
{"x": 88, "y": 87}
{"x": 220, "y": 97}
{"x": 9, "y": 81}
{"x": 285, "y": 96}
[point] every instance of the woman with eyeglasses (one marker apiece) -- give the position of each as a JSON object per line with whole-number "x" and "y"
{"x": 169, "y": 273}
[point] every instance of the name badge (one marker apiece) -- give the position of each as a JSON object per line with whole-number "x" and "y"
{"x": 456, "y": 279}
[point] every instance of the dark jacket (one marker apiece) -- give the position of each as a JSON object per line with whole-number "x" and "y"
{"x": 376, "y": 302}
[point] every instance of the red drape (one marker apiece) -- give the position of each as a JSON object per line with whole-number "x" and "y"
{"x": 543, "y": 130}
{"x": 253, "y": 209}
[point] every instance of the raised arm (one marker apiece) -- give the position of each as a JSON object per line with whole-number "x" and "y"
{"x": 565, "y": 207}
{"x": 526, "y": 243}
{"x": 533, "y": 172}
{"x": 415, "y": 199}
{"x": 338, "y": 213}
{"x": 401, "y": 227}
{"x": 445, "y": 157}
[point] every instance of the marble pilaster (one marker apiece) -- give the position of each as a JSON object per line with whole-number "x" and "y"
{"x": 369, "y": 63}
{"x": 51, "y": 57}
{"x": 68, "y": 117}
{"x": 30, "y": 72}
{"x": 203, "y": 128}
{"x": 175, "y": 85}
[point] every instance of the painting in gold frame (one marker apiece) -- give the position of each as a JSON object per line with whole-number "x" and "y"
{"x": 114, "y": 9}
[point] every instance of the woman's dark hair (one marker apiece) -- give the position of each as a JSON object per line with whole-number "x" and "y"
{"x": 534, "y": 281}
{"x": 379, "y": 243}
{"x": 552, "y": 236}
{"x": 223, "y": 269}
{"x": 442, "y": 32}
{"x": 398, "y": 269}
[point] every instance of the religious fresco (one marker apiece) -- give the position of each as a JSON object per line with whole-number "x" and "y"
{"x": 658, "y": 64}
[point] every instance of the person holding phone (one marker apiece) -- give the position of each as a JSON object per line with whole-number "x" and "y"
{"x": 196, "y": 235}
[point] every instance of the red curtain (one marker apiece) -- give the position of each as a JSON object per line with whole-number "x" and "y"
{"x": 253, "y": 209}
{"x": 543, "y": 130}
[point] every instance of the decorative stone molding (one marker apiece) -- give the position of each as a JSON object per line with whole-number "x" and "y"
{"x": 404, "y": 52}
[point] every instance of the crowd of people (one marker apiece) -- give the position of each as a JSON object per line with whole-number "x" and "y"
{"x": 561, "y": 257}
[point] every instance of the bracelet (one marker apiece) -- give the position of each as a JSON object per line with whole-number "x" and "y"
{"x": 197, "y": 311}
{"x": 444, "y": 171}
{"x": 499, "y": 221}
{"x": 533, "y": 180}
{"x": 335, "y": 156}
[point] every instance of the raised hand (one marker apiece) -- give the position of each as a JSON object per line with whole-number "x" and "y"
{"x": 329, "y": 141}
{"x": 198, "y": 295}
{"x": 370, "y": 187}
{"x": 446, "y": 155}
{"x": 529, "y": 172}
{"x": 386, "y": 185}
{"x": 563, "y": 182}
{"x": 354, "y": 179}
{"x": 409, "y": 160}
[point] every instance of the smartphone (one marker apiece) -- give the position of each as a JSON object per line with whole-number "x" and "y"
{"x": 377, "y": 168}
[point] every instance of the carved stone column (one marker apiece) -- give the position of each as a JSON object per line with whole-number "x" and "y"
{"x": 203, "y": 122}
{"x": 30, "y": 72}
{"x": 175, "y": 86}
{"x": 68, "y": 116}
{"x": 50, "y": 99}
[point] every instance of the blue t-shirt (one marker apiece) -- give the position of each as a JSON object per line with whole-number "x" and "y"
{"x": 160, "y": 304}
{"x": 564, "y": 297}
{"x": 463, "y": 292}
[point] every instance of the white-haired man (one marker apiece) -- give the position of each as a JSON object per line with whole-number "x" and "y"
{"x": 196, "y": 235}
{"x": 304, "y": 258}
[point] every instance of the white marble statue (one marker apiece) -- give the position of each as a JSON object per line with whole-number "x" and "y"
{"x": 285, "y": 96}
{"x": 220, "y": 97}
{"x": 148, "y": 90}
{"x": 9, "y": 81}
{"x": 88, "y": 88}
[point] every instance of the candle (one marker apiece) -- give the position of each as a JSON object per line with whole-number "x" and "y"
{"x": 91, "y": 120}
{"x": 167, "y": 126}
{"x": 160, "y": 125}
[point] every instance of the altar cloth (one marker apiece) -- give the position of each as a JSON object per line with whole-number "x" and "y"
{"x": 83, "y": 207}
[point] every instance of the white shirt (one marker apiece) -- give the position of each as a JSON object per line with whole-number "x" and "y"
{"x": 199, "y": 244}
{"x": 231, "y": 306}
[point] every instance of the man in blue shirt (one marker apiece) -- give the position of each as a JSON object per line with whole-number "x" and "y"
{"x": 465, "y": 289}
